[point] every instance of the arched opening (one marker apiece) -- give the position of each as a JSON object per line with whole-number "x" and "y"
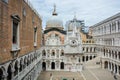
{"x": 53, "y": 53}
{"x": 53, "y": 65}
{"x": 106, "y": 65}
{"x": 91, "y": 49}
{"x": 27, "y": 61}
{"x": 94, "y": 49}
{"x": 79, "y": 60}
{"x": 62, "y": 65}
{"x": 43, "y": 65}
{"x": 43, "y": 53}
{"x": 9, "y": 71}
{"x": 109, "y": 65}
{"x": 32, "y": 58}
{"x": 104, "y": 52}
{"x": 90, "y": 57}
{"x": 21, "y": 66}
{"x": 83, "y": 48}
{"x": 83, "y": 58}
{"x": 112, "y": 54}
{"x": 16, "y": 68}
{"x": 112, "y": 67}
{"x": 1, "y": 74}
{"x": 87, "y": 49}
{"x": 62, "y": 53}
{"x": 94, "y": 56}
{"x": 86, "y": 58}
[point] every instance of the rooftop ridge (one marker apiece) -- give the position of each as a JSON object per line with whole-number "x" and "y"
{"x": 31, "y": 6}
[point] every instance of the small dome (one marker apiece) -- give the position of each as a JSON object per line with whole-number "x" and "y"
{"x": 54, "y": 21}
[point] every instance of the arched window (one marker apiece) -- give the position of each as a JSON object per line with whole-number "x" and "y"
{"x": 44, "y": 65}
{"x": 53, "y": 65}
{"x": 43, "y": 53}
{"x": 83, "y": 49}
{"x": 62, "y": 65}
{"x": 53, "y": 53}
{"x": 62, "y": 53}
{"x": 106, "y": 65}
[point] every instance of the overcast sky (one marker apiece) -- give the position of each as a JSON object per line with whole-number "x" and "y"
{"x": 91, "y": 11}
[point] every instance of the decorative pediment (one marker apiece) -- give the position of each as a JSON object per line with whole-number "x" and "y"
{"x": 15, "y": 17}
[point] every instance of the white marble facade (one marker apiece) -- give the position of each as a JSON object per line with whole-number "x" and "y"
{"x": 67, "y": 56}
{"x": 107, "y": 36}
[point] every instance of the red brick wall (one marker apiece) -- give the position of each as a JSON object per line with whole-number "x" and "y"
{"x": 26, "y": 28}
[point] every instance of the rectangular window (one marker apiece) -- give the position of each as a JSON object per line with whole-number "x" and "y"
{"x": 35, "y": 36}
{"x": 14, "y": 39}
{"x": 15, "y": 36}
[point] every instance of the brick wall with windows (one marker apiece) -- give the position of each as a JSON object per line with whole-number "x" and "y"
{"x": 17, "y": 29}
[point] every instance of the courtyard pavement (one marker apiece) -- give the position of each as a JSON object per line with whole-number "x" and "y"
{"x": 92, "y": 71}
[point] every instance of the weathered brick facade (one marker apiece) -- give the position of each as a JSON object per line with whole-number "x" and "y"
{"x": 26, "y": 28}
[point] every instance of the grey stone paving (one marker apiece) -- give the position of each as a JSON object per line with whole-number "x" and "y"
{"x": 91, "y": 71}
{"x": 94, "y": 71}
{"x": 60, "y": 75}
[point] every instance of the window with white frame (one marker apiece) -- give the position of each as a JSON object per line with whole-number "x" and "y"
{"x": 35, "y": 36}
{"x": 15, "y": 32}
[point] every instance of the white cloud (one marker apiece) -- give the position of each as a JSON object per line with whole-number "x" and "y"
{"x": 92, "y": 11}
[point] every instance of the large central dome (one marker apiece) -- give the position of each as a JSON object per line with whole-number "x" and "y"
{"x": 54, "y": 21}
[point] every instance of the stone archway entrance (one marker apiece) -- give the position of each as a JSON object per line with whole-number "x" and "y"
{"x": 53, "y": 65}
{"x": 106, "y": 65}
{"x": 43, "y": 65}
{"x": 62, "y": 65}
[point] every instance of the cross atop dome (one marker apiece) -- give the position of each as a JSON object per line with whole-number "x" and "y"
{"x": 54, "y": 11}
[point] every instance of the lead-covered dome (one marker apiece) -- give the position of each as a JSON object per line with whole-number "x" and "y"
{"x": 54, "y": 21}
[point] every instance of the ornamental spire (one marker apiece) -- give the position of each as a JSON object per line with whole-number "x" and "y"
{"x": 74, "y": 16}
{"x": 54, "y": 11}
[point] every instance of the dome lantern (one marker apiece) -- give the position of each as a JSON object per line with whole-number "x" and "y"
{"x": 54, "y": 12}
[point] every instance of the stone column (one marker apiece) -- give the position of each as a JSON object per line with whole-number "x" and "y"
{"x": 12, "y": 71}
{"x": 108, "y": 66}
{"x": 81, "y": 59}
{"x": 118, "y": 69}
{"x": 114, "y": 67}
{"x": 85, "y": 58}
{"x": 117, "y": 55}
{"x": 85, "y": 49}
{"x": 116, "y": 26}
{"x": 4, "y": 77}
